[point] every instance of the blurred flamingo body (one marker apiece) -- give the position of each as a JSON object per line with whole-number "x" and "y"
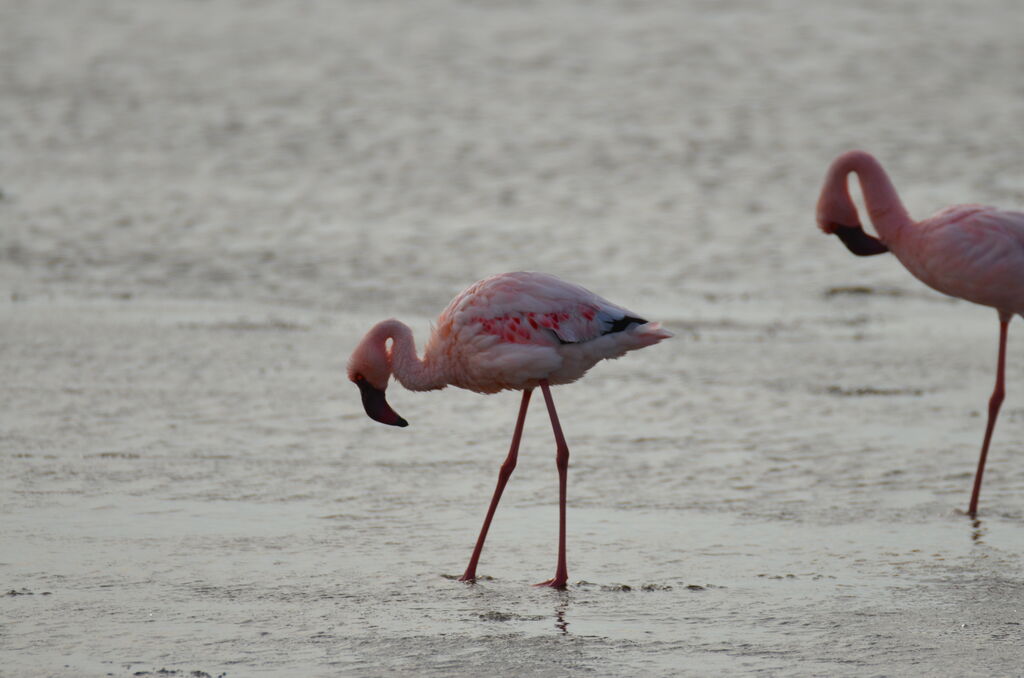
{"x": 972, "y": 252}
{"x": 514, "y": 331}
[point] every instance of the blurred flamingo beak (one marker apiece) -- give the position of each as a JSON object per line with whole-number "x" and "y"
{"x": 376, "y": 405}
{"x": 859, "y": 242}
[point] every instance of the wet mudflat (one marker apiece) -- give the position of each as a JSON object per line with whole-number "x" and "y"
{"x": 207, "y": 205}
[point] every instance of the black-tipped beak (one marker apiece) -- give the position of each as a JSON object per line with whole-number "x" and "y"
{"x": 376, "y": 405}
{"x": 859, "y": 242}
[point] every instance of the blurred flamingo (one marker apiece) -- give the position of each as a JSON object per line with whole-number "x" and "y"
{"x": 972, "y": 252}
{"x": 509, "y": 331}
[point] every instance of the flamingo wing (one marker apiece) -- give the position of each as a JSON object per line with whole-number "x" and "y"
{"x": 515, "y": 328}
{"x": 975, "y": 253}
{"x": 537, "y": 308}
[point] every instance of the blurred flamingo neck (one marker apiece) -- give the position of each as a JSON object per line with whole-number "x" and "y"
{"x": 888, "y": 215}
{"x": 409, "y": 370}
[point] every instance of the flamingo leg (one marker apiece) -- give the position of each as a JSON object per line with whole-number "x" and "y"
{"x": 503, "y": 475}
{"x": 993, "y": 410}
{"x": 562, "y": 462}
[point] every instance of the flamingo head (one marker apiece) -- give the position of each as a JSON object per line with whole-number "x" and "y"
{"x": 836, "y": 210}
{"x": 369, "y": 368}
{"x": 837, "y": 214}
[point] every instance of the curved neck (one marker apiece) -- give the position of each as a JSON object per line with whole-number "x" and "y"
{"x": 888, "y": 215}
{"x": 408, "y": 369}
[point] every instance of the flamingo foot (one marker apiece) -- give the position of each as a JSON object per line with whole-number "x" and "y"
{"x": 555, "y": 583}
{"x": 468, "y": 577}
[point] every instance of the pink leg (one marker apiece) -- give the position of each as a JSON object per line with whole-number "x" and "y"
{"x": 503, "y": 476}
{"x": 562, "y": 462}
{"x": 993, "y": 411}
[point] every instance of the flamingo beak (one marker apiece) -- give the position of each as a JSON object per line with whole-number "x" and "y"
{"x": 376, "y": 405}
{"x": 859, "y": 242}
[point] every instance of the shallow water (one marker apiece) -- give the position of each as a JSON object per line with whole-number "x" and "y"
{"x": 204, "y": 207}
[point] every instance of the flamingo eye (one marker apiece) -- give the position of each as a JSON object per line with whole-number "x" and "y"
{"x": 358, "y": 378}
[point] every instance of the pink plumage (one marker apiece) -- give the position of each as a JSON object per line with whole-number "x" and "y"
{"x": 509, "y": 331}
{"x": 972, "y": 252}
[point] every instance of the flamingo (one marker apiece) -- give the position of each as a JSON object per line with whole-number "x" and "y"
{"x": 509, "y": 331}
{"x": 972, "y": 252}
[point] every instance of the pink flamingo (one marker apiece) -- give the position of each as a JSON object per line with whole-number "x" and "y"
{"x": 968, "y": 251}
{"x": 509, "y": 331}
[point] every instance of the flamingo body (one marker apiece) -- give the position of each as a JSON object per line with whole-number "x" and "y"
{"x": 509, "y": 331}
{"x": 972, "y": 252}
